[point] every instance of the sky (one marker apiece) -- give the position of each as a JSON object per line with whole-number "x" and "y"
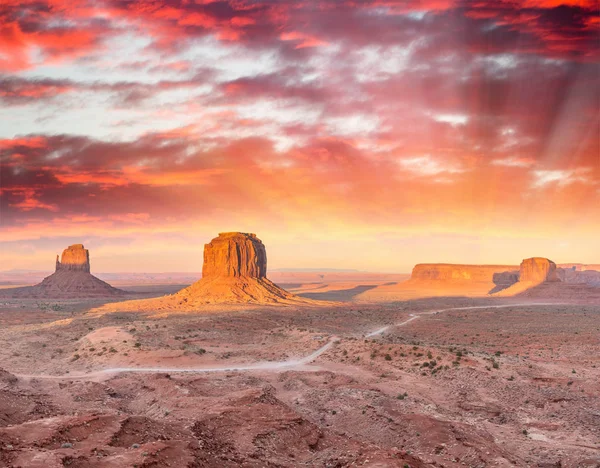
{"x": 363, "y": 134}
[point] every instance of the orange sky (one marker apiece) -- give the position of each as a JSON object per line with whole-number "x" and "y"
{"x": 371, "y": 135}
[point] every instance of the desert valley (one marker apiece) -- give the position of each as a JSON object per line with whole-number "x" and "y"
{"x": 299, "y": 234}
{"x": 458, "y": 365}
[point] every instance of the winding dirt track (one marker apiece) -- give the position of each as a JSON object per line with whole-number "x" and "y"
{"x": 265, "y": 365}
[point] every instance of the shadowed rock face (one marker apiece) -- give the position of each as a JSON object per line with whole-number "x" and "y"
{"x": 537, "y": 270}
{"x": 74, "y": 258}
{"x": 235, "y": 254}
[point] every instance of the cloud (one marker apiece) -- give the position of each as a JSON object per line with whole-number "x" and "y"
{"x": 513, "y": 161}
{"x": 561, "y": 178}
{"x": 339, "y": 115}
{"x": 429, "y": 166}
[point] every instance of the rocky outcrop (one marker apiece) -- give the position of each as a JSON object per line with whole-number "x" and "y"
{"x": 74, "y": 258}
{"x": 235, "y": 254}
{"x": 574, "y": 276}
{"x": 504, "y": 280}
{"x": 537, "y": 270}
{"x": 71, "y": 280}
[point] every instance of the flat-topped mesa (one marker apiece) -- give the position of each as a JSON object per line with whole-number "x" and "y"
{"x": 537, "y": 270}
{"x": 235, "y": 254}
{"x": 448, "y": 272}
{"x": 74, "y": 258}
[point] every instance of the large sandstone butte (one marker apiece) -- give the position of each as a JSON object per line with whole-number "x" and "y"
{"x": 235, "y": 271}
{"x": 235, "y": 254}
{"x": 71, "y": 280}
{"x": 74, "y": 258}
{"x": 532, "y": 272}
{"x": 537, "y": 270}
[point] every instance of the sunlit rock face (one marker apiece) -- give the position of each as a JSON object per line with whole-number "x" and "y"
{"x": 446, "y": 272}
{"x": 234, "y": 271}
{"x": 537, "y": 270}
{"x": 235, "y": 254}
{"x": 74, "y": 258}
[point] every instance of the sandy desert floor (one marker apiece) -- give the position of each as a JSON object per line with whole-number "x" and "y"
{"x": 438, "y": 382}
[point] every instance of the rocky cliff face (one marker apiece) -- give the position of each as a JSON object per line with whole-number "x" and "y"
{"x": 74, "y": 258}
{"x": 235, "y": 254}
{"x": 537, "y": 270}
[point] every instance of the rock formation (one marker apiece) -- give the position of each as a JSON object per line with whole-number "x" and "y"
{"x": 448, "y": 272}
{"x": 235, "y": 271}
{"x": 537, "y": 270}
{"x": 575, "y": 276}
{"x": 74, "y": 258}
{"x": 532, "y": 272}
{"x": 504, "y": 280}
{"x": 235, "y": 254}
{"x": 72, "y": 279}
{"x": 440, "y": 279}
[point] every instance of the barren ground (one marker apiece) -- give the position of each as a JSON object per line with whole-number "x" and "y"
{"x": 479, "y": 387}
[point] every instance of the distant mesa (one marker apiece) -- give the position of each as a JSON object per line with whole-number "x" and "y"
{"x": 71, "y": 280}
{"x": 441, "y": 279}
{"x": 455, "y": 273}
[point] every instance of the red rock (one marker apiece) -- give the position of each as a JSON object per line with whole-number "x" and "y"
{"x": 454, "y": 272}
{"x": 72, "y": 279}
{"x": 74, "y": 258}
{"x": 537, "y": 270}
{"x": 235, "y": 254}
{"x": 234, "y": 271}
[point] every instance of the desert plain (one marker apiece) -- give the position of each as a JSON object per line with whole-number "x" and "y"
{"x": 433, "y": 370}
{"x": 342, "y": 370}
